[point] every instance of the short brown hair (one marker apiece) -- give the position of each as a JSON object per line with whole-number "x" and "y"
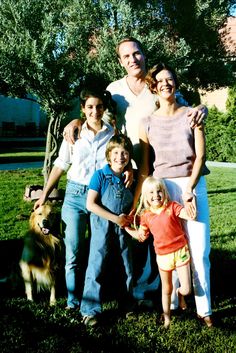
{"x": 117, "y": 141}
{"x": 128, "y": 39}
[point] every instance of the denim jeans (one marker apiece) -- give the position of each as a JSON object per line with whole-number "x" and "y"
{"x": 104, "y": 233}
{"x": 146, "y": 278}
{"x": 146, "y": 275}
{"x": 198, "y": 233}
{"x": 75, "y": 220}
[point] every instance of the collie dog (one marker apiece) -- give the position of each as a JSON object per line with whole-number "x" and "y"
{"x": 42, "y": 247}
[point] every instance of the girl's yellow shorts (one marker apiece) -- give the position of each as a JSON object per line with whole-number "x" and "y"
{"x": 178, "y": 258}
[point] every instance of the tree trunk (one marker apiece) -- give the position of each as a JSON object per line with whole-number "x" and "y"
{"x": 52, "y": 144}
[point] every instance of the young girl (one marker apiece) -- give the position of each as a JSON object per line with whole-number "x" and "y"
{"x": 80, "y": 161}
{"x": 160, "y": 217}
{"x": 108, "y": 200}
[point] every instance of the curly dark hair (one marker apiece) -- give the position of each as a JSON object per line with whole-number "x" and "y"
{"x": 151, "y": 80}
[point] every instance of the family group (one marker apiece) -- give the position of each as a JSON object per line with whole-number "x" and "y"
{"x": 139, "y": 176}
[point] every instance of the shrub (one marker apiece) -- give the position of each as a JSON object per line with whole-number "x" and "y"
{"x": 220, "y": 136}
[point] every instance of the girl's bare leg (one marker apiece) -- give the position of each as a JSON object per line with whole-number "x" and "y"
{"x": 166, "y": 281}
{"x": 185, "y": 284}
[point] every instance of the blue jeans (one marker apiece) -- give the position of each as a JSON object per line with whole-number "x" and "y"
{"x": 75, "y": 220}
{"x": 146, "y": 274}
{"x": 104, "y": 233}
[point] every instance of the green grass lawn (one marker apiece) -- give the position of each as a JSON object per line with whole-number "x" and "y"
{"x": 36, "y": 327}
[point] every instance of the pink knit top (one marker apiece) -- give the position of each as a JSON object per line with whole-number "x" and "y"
{"x": 172, "y": 141}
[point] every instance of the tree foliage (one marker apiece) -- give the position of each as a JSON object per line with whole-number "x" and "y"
{"x": 47, "y": 47}
{"x": 221, "y": 136}
{"x": 231, "y": 102}
{"x": 43, "y": 51}
{"x": 185, "y": 33}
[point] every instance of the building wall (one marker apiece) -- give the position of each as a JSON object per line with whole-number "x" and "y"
{"x": 23, "y": 114}
{"x": 20, "y": 110}
{"x": 216, "y": 98}
{"x": 228, "y": 34}
{"x": 26, "y": 115}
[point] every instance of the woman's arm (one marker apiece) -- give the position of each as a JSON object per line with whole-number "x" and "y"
{"x": 143, "y": 170}
{"x": 93, "y": 206}
{"x": 200, "y": 150}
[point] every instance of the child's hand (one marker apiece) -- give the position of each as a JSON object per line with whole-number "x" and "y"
{"x": 142, "y": 234}
{"x": 123, "y": 220}
{"x": 133, "y": 232}
{"x": 134, "y": 218}
{"x": 131, "y": 216}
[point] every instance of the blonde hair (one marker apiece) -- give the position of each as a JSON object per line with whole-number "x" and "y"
{"x": 149, "y": 183}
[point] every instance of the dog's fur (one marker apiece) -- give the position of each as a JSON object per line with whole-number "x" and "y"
{"x": 39, "y": 257}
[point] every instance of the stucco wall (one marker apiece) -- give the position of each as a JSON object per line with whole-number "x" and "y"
{"x": 217, "y": 98}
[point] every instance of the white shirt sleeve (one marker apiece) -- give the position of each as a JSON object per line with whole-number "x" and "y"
{"x": 64, "y": 159}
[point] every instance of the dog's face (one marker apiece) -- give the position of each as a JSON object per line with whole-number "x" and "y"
{"x": 43, "y": 219}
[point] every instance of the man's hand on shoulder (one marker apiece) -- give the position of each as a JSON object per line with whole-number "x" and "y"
{"x": 197, "y": 115}
{"x": 72, "y": 131}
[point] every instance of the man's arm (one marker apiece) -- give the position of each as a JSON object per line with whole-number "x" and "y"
{"x": 72, "y": 130}
{"x": 197, "y": 115}
{"x": 143, "y": 170}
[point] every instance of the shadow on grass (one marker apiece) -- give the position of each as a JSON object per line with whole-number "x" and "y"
{"x": 37, "y": 327}
{"x": 221, "y": 191}
{"x": 223, "y": 274}
{"x": 223, "y": 238}
{"x": 10, "y": 253}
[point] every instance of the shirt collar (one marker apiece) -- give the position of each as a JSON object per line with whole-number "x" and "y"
{"x": 108, "y": 172}
{"x": 105, "y": 126}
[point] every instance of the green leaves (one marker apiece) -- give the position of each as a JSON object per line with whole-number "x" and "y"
{"x": 46, "y": 43}
{"x": 220, "y": 136}
{"x": 47, "y": 48}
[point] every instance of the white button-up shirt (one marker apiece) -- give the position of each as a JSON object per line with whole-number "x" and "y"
{"x": 86, "y": 155}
